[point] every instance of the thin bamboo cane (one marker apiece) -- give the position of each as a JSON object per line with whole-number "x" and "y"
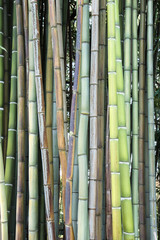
{"x": 151, "y": 137}
{"x": 63, "y": 77}
{"x": 48, "y": 96}
{"x": 33, "y": 139}
{"x": 42, "y": 124}
{"x": 12, "y": 127}
{"x": 56, "y": 173}
{"x": 135, "y": 163}
{"x": 71, "y": 154}
{"x": 113, "y": 121}
{"x": 126, "y": 201}
{"x": 142, "y": 46}
{"x": 127, "y": 68}
{"x": 3, "y": 200}
{"x": 109, "y": 234}
{"x": 59, "y": 97}
{"x": 1, "y": 71}
{"x": 21, "y": 124}
{"x": 6, "y": 77}
{"x": 83, "y": 224}
{"x": 93, "y": 118}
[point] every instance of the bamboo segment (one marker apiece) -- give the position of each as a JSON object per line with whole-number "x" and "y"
{"x": 101, "y": 94}
{"x": 135, "y": 163}
{"x": 71, "y": 154}
{"x": 1, "y": 71}
{"x": 42, "y": 124}
{"x": 151, "y": 137}
{"x": 63, "y": 77}
{"x": 59, "y": 97}
{"x": 3, "y": 200}
{"x": 12, "y": 127}
{"x": 83, "y": 224}
{"x": 6, "y": 76}
{"x": 142, "y": 46}
{"x": 93, "y": 118}
{"x": 127, "y": 68}
{"x": 33, "y": 140}
{"x": 21, "y": 125}
{"x": 126, "y": 201}
{"x": 113, "y": 120}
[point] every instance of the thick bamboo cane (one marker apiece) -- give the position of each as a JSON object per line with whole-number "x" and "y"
{"x": 33, "y": 139}
{"x": 135, "y": 158}
{"x": 21, "y": 124}
{"x": 151, "y": 137}
{"x": 142, "y": 46}
{"x": 59, "y": 95}
{"x": 42, "y": 124}
{"x": 93, "y": 118}
{"x": 101, "y": 96}
{"x": 72, "y": 139}
{"x": 12, "y": 127}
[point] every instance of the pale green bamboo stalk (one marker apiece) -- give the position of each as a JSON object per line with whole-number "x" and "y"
{"x": 1, "y": 71}
{"x": 151, "y": 137}
{"x": 12, "y": 127}
{"x": 127, "y": 68}
{"x": 101, "y": 102}
{"x": 3, "y": 200}
{"x": 135, "y": 159}
{"x": 83, "y": 224}
{"x": 33, "y": 139}
{"x": 126, "y": 200}
{"x": 93, "y": 118}
{"x": 113, "y": 127}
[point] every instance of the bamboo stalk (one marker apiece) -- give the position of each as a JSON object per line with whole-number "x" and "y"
{"x": 12, "y": 127}
{"x": 33, "y": 139}
{"x": 3, "y": 200}
{"x": 93, "y": 118}
{"x": 42, "y": 124}
{"x": 63, "y": 77}
{"x": 71, "y": 154}
{"x": 142, "y": 46}
{"x": 127, "y": 68}
{"x": 59, "y": 97}
{"x": 101, "y": 94}
{"x": 83, "y": 224}
{"x": 21, "y": 124}
{"x": 135, "y": 159}
{"x": 151, "y": 137}
{"x": 126, "y": 200}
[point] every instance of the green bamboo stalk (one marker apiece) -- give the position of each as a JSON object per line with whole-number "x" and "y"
{"x": 142, "y": 45}
{"x": 63, "y": 77}
{"x": 6, "y": 77}
{"x": 151, "y": 137}
{"x": 72, "y": 139}
{"x": 101, "y": 94}
{"x": 113, "y": 120}
{"x": 42, "y": 124}
{"x": 127, "y": 68}
{"x": 59, "y": 96}
{"x": 3, "y": 200}
{"x": 33, "y": 139}
{"x": 21, "y": 124}
{"x": 126, "y": 201}
{"x": 55, "y": 163}
{"x": 135, "y": 162}
{"x": 83, "y": 224}
{"x": 1, "y": 71}
{"x": 93, "y": 118}
{"x": 12, "y": 127}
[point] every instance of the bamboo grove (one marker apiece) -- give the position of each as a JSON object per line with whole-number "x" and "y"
{"x": 80, "y": 119}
